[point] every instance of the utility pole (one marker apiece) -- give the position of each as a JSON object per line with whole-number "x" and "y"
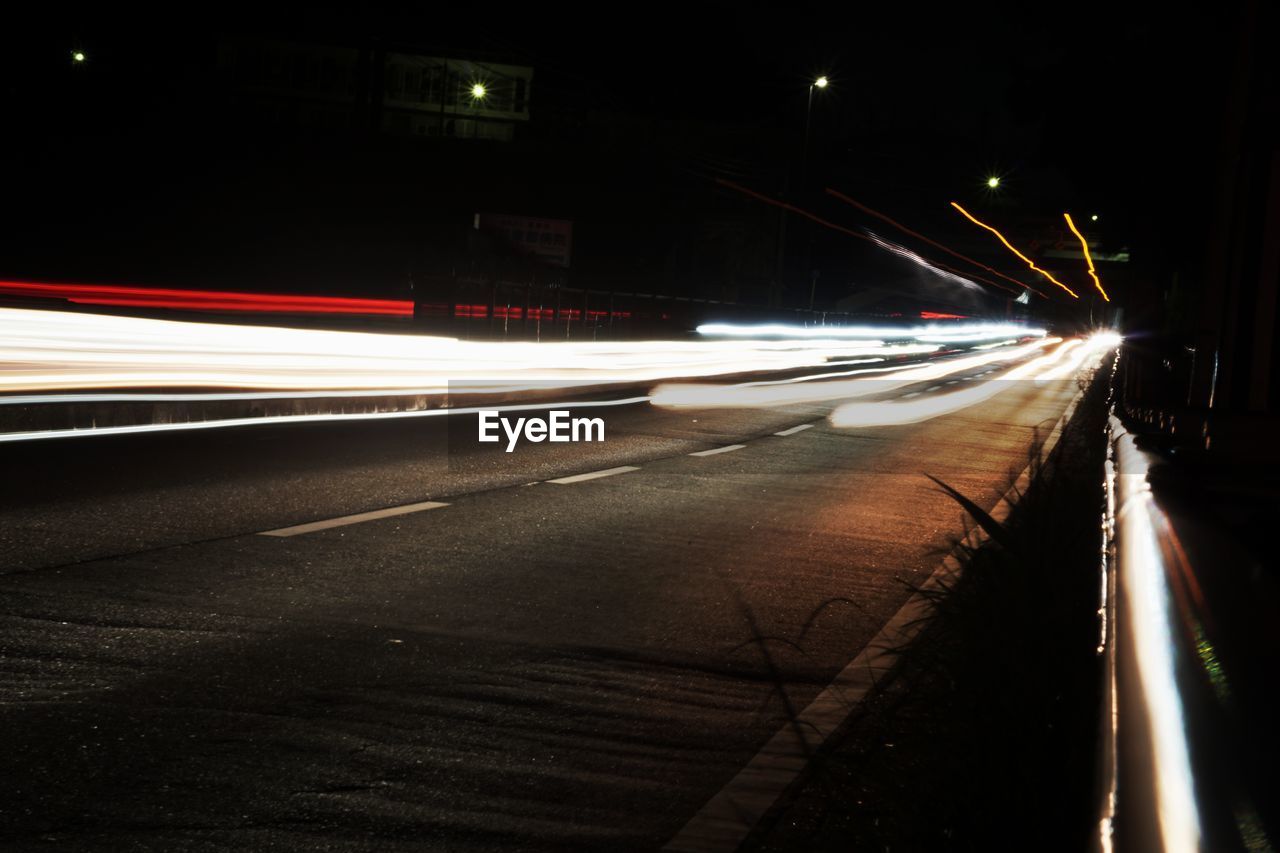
{"x": 779, "y": 286}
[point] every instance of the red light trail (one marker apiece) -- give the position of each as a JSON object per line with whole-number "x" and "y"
{"x": 203, "y": 300}
{"x": 846, "y": 199}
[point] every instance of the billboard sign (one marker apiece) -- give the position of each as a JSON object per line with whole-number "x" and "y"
{"x": 550, "y": 240}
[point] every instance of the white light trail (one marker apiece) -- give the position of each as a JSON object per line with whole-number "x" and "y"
{"x": 53, "y": 351}
{"x": 904, "y": 252}
{"x": 219, "y": 423}
{"x": 67, "y": 357}
{"x": 754, "y": 395}
{"x": 1093, "y": 346}
{"x": 1063, "y": 362}
{"x": 955, "y": 333}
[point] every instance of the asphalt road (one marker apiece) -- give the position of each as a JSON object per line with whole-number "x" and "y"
{"x": 532, "y": 666}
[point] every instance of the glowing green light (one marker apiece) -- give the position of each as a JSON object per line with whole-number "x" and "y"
{"x": 821, "y": 82}
{"x": 77, "y": 56}
{"x": 993, "y": 182}
{"x": 1212, "y": 665}
{"x": 478, "y": 91}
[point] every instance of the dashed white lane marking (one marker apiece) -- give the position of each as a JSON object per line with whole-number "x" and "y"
{"x": 912, "y": 394}
{"x": 607, "y": 472}
{"x": 794, "y": 429}
{"x": 353, "y": 519}
{"x": 951, "y": 382}
{"x": 713, "y": 451}
{"x": 933, "y": 388}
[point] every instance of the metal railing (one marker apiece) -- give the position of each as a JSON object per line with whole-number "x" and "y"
{"x": 1189, "y": 642}
{"x": 478, "y": 308}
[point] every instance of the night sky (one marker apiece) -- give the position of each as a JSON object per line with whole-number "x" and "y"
{"x": 1113, "y": 109}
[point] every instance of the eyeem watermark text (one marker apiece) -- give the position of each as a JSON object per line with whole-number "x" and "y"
{"x": 559, "y": 427}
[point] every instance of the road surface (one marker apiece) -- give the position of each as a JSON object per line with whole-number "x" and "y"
{"x": 527, "y": 664}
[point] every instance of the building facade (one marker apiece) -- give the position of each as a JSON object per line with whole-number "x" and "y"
{"x": 399, "y": 92}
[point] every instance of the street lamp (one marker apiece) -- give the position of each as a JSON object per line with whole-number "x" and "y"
{"x": 77, "y": 56}
{"x": 820, "y": 83}
{"x": 478, "y": 93}
{"x": 993, "y": 182}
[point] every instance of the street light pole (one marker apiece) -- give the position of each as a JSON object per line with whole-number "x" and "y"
{"x": 778, "y": 286}
{"x": 820, "y": 83}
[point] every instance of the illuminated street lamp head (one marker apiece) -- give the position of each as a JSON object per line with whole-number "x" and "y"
{"x": 821, "y": 82}
{"x": 77, "y": 56}
{"x": 1094, "y": 218}
{"x": 993, "y": 182}
{"x": 478, "y": 91}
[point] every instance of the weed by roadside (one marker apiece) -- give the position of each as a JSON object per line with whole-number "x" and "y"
{"x": 985, "y": 736}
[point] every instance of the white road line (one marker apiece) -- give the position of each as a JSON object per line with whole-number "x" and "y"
{"x": 607, "y": 472}
{"x": 353, "y": 519}
{"x": 912, "y": 394}
{"x": 74, "y": 432}
{"x": 713, "y": 451}
{"x": 933, "y": 388}
{"x": 726, "y": 820}
{"x": 794, "y": 429}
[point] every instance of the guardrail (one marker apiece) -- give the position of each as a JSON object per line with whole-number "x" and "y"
{"x": 1189, "y": 644}
{"x": 482, "y": 309}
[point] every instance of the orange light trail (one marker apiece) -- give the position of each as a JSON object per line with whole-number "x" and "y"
{"x": 799, "y": 211}
{"x": 918, "y": 236}
{"x": 1084, "y": 245}
{"x": 1009, "y": 246}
